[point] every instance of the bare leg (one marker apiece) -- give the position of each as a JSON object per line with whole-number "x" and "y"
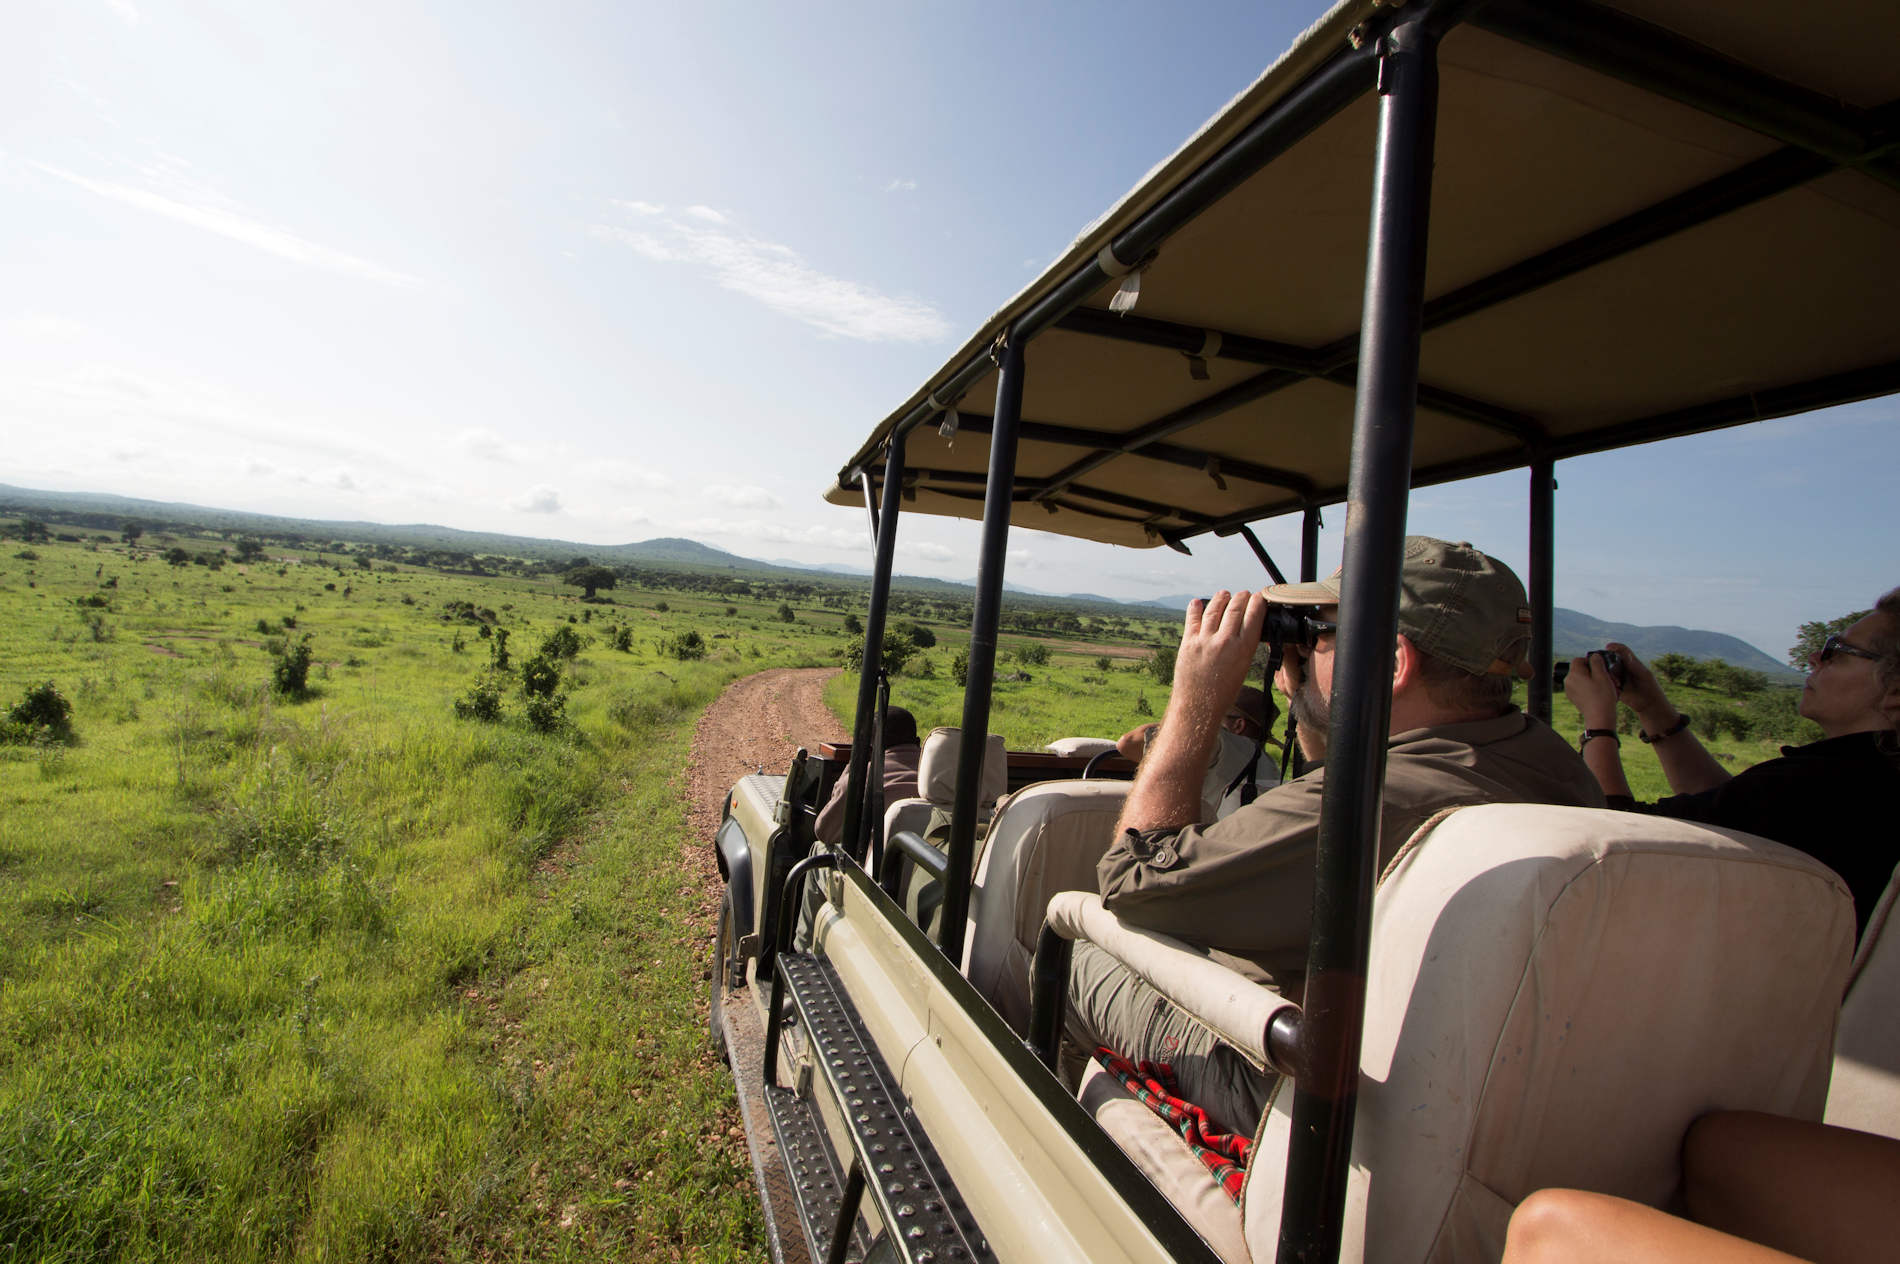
{"x": 1561, "y": 1225}
{"x": 1814, "y": 1191}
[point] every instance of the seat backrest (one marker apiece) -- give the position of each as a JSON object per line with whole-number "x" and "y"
{"x": 937, "y": 765}
{"x": 1080, "y": 747}
{"x": 1554, "y": 995}
{"x": 1865, "y": 1092}
{"x": 1045, "y": 838}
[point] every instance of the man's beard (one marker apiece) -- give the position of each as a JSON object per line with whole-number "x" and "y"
{"x": 1313, "y": 715}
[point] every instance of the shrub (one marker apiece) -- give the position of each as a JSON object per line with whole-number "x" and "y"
{"x": 42, "y": 715}
{"x": 482, "y": 701}
{"x": 1161, "y": 664}
{"x": 920, "y": 636}
{"x": 853, "y": 626}
{"x": 621, "y": 639}
{"x": 786, "y": 614}
{"x": 290, "y": 674}
{"x": 1103, "y": 665}
{"x": 498, "y": 649}
{"x": 540, "y": 675}
{"x": 563, "y": 642}
{"x": 1142, "y": 705}
{"x": 686, "y": 647}
{"x": 545, "y": 714}
{"x": 661, "y": 607}
{"x": 1035, "y": 654}
{"x": 960, "y": 668}
{"x": 1718, "y": 720}
{"x": 732, "y": 610}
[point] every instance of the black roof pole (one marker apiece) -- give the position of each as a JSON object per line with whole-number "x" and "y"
{"x": 1542, "y": 582}
{"x": 857, "y": 828}
{"x": 1320, "y": 1152}
{"x": 981, "y": 677}
{"x": 1309, "y": 544}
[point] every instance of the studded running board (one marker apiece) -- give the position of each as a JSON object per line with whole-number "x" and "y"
{"x": 924, "y": 1218}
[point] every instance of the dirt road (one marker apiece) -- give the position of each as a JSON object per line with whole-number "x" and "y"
{"x": 759, "y": 721}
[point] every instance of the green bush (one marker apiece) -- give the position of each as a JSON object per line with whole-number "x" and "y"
{"x": 482, "y": 701}
{"x": 1161, "y": 664}
{"x": 1035, "y": 654}
{"x": 960, "y": 668}
{"x": 686, "y": 647}
{"x": 545, "y": 714}
{"x": 540, "y": 675}
{"x": 290, "y": 674}
{"x": 621, "y": 639}
{"x": 42, "y": 715}
{"x": 563, "y": 642}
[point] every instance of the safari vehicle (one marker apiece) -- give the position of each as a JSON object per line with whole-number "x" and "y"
{"x": 1645, "y": 219}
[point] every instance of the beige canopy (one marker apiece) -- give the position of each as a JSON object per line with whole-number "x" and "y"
{"x": 1648, "y": 219}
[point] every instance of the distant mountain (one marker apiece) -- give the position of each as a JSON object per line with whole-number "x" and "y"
{"x": 1573, "y": 633}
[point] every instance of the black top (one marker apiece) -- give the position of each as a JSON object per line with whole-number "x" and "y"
{"x": 1838, "y": 800}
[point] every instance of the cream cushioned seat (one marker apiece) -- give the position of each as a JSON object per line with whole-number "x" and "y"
{"x": 1554, "y": 995}
{"x": 1045, "y": 838}
{"x": 1080, "y": 747}
{"x": 937, "y": 765}
{"x": 1865, "y": 1092}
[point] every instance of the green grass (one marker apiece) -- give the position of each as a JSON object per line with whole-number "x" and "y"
{"x": 343, "y": 977}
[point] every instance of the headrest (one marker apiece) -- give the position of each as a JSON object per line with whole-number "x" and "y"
{"x": 1080, "y": 747}
{"x": 937, "y": 768}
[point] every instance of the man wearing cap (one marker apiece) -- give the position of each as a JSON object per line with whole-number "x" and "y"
{"x": 1234, "y": 768}
{"x": 1243, "y": 886}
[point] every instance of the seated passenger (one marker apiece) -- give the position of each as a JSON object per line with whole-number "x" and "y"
{"x": 901, "y": 752}
{"x": 1834, "y": 799}
{"x": 1235, "y": 766}
{"x": 1243, "y": 887}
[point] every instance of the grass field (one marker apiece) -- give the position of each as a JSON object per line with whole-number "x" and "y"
{"x": 342, "y": 976}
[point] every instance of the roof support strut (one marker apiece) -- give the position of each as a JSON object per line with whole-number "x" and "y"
{"x": 983, "y": 623}
{"x": 857, "y": 828}
{"x": 1324, "y": 1099}
{"x": 1543, "y": 587}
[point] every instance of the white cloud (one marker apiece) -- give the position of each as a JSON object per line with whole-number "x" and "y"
{"x": 484, "y": 444}
{"x": 342, "y": 481}
{"x": 747, "y": 497}
{"x": 1021, "y": 559}
{"x": 539, "y": 499}
{"x": 927, "y": 552}
{"x": 626, "y": 476}
{"x": 776, "y": 276}
{"x": 901, "y": 186}
{"x": 123, "y": 10}
{"x": 203, "y": 213}
{"x": 42, "y": 325}
{"x": 639, "y": 208}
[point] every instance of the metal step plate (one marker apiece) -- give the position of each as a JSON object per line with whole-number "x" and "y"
{"x": 928, "y": 1221}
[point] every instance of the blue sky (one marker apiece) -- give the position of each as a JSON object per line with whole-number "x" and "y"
{"x": 610, "y": 271}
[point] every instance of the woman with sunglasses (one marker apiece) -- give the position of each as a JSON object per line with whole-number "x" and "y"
{"x": 1834, "y": 799}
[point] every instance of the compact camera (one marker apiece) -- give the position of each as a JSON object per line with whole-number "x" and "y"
{"x": 1612, "y": 663}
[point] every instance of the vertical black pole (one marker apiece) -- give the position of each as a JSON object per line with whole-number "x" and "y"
{"x": 1543, "y": 584}
{"x": 856, "y": 826}
{"x": 998, "y": 498}
{"x": 1323, "y": 1104}
{"x": 1309, "y": 544}
{"x": 870, "y": 503}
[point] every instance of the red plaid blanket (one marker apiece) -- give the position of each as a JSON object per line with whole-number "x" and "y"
{"x": 1152, "y": 1084}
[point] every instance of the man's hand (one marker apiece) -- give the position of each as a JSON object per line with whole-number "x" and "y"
{"x": 1218, "y": 639}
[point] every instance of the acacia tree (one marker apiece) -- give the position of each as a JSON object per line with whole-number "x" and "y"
{"x": 131, "y": 532}
{"x": 590, "y": 578}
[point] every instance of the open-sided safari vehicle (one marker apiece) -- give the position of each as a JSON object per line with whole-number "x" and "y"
{"x": 1645, "y": 219}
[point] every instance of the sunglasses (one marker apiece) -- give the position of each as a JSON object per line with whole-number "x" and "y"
{"x": 1835, "y": 645}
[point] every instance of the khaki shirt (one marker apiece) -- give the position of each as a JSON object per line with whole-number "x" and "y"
{"x": 1243, "y": 886}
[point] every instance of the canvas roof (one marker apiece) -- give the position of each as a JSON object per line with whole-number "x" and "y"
{"x": 1781, "y": 302}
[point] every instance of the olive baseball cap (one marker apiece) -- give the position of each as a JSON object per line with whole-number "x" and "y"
{"x": 1455, "y": 603}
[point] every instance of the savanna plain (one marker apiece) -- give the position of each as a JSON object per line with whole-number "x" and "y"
{"x": 339, "y": 925}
